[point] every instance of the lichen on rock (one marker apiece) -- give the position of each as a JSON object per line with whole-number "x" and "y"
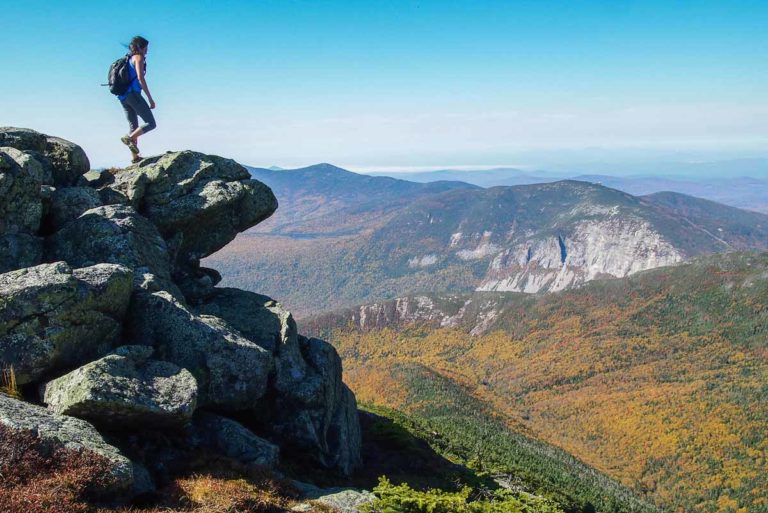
{"x": 123, "y": 249}
{"x": 53, "y": 317}
{"x": 63, "y": 161}
{"x": 126, "y": 389}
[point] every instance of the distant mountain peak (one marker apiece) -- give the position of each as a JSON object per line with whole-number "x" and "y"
{"x": 325, "y": 167}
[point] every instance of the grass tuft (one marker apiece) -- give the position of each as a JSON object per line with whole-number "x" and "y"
{"x": 8, "y": 383}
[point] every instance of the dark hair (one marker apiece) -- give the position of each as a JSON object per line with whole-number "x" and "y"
{"x": 137, "y": 43}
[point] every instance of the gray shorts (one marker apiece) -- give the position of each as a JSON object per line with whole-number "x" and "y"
{"x": 135, "y": 106}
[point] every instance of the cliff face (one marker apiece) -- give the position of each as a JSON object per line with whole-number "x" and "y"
{"x": 611, "y": 247}
{"x": 549, "y": 237}
{"x": 107, "y": 315}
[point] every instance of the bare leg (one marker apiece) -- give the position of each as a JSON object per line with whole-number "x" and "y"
{"x": 135, "y": 134}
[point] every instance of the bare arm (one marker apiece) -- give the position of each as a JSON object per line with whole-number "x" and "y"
{"x": 139, "y": 65}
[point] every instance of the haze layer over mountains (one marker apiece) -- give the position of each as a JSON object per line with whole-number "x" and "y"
{"x": 741, "y": 183}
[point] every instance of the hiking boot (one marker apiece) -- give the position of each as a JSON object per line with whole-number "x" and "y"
{"x": 126, "y": 139}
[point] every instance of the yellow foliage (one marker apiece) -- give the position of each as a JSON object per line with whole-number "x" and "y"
{"x": 655, "y": 411}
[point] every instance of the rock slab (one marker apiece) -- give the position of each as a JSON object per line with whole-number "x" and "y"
{"x": 53, "y": 317}
{"x": 126, "y": 389}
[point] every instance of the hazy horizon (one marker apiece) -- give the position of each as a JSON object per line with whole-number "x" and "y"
{"x": 561, "y": 167}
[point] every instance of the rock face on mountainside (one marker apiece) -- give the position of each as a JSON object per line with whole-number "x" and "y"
{"x": 612, "y": 247}
{"x": 107, "y": 317}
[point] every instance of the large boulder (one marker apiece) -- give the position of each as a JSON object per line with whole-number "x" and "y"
{"x": 53, "y": 317}
{"x": 126, "y": 389}
{"x": 60, "y": 431}
{"x": 231, "y": 371}
{"x": 319, "y": 414}
{"x": 63, "y": 161}
{"x": 231, "y": 439}
{"x": 265, "y": 322}
{"x": 199, "y": 201}
{"x": 21, "y": 210}
{"x": 115, "y": 234}
{"x": 310, "y": 409}
{"x": 69, "y": 203}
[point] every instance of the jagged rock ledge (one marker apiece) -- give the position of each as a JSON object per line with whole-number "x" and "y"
{"x": 107, "y": 317}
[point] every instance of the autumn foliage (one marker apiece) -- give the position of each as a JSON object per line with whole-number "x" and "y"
{"x": 658, "y": 381}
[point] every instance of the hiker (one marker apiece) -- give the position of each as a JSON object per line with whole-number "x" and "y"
{"x": 133, "y": 103}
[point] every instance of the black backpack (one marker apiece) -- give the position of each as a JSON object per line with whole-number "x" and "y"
{"x": 119, "y": 77}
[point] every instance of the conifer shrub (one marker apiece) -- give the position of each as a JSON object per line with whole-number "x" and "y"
{"x": 402, "y": 498}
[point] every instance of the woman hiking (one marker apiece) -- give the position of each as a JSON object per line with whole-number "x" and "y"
{"x": 133, "y": 103}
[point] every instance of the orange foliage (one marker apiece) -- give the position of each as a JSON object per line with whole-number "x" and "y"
{"x": 672, "y": 415}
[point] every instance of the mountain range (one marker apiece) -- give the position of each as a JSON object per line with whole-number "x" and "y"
{"x": 741, "y": 183}
{"x": 341, "y": 238}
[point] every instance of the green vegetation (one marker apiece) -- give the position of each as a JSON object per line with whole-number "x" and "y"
{"x": 403, "y": 499}
{"x": 460, "y": 428}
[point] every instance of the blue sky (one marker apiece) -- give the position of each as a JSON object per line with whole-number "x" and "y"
{"x": 370, "y": 84}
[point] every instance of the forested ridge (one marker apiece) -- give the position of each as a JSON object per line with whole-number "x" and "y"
{"x": 659, "y": 380}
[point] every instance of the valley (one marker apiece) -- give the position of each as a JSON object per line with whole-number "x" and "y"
{"x": 658, "y": 379}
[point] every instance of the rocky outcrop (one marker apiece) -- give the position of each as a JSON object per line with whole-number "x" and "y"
{"x": 614, "y": 247}
{"x": 63, "y": 162}
{"x": 324, "y": 412}
{"x": 123, "y": 249}
{"x": 309, "y": 408}
{"x": 202, "y": 200}
{"x": 126, "y": 389}
{"x": 71, "y": 433}
{"x": 53, "y": 317}
{"x": 266, "y": 323}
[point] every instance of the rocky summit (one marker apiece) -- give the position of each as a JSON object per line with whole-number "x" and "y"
{"x": 113, "y": 338}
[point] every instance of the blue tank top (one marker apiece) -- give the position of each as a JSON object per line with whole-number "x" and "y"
{"x": 135, "y": 85}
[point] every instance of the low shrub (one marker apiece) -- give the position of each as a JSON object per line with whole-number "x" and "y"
{"x": 403, "y": 499}
{"x": 35, "y": 478}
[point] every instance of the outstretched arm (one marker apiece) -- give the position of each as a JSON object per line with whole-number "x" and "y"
{"x": 140, "y": 73}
